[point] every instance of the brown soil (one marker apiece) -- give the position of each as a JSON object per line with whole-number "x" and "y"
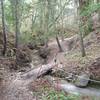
{"x": 13, "y": 88}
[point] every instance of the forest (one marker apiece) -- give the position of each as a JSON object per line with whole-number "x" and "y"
{"x": 49, "y": 49}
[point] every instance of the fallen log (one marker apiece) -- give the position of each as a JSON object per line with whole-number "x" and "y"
{"x": 36, "y": 73}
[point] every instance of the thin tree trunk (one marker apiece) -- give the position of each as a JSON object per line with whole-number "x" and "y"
{"x": 62, "y": 23}
{"x": 81, "y": 4}
{"x": 46, "y": 22}
{"x": 62, "y": 32}
{"x": 59, "y": 45}
{"x": 17, "y": 32}
{"x": 4, "y": 32}
{"x": 34, "y": 15}
{"x": 82, "y": 43}
{"x": 98, "y": 1}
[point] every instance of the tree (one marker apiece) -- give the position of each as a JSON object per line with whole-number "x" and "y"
{"x": 17, "y": 32}
{"x": 81, "y": 3}
{"x": 53, "y": 14}
{"x": 59, "y": 45}
{"x": 98, "y": 1}
{"x": 16, "y": 8}
{"x": 46, "y": 19}
{"x": 3, "y": 26}
{"x": 62, "y": 21}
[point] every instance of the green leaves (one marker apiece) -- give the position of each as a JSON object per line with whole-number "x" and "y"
{"x": 60, "y": 95}
{"x": 90, "y": 9}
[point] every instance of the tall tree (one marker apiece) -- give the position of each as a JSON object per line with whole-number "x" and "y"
{"x": 98, "y": 1}
{"x": 62, "y": 21}
{"x": 58, "y": 43}
{"x": 81, "y": 4}
{"x": 53, "y": 14}
{"x": 17, "y": 31}
{"x": 46, "y": 18}
{"x": 3, "y": 25}
{"x": 16, "y": 7}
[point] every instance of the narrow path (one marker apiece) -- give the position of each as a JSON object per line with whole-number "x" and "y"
{"x": 16, "y": 89}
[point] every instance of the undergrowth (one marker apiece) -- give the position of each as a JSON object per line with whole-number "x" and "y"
{"x": 56, "y": 95}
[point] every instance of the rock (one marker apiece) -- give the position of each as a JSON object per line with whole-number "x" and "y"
{"x": 82, "y": 80}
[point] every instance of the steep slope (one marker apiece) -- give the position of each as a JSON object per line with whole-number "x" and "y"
{"x": 71, "y": 61}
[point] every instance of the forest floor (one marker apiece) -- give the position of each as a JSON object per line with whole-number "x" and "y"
{"x": 12, "y": 87}
{"x": 71, "y": 58}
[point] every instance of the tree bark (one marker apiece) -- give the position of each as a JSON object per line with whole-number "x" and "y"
{"x": 98, "y": 1}
{"x": 62, "y": 22}
{"x": 82, "y": 44}
{"x": 17, "y": 32}
{"x": 45, "y": 23}
{"x": 40, "y": 71}
{"x": 59, "y": 45}
{"x": 3, "y": 26}
{"x": 81, "y": 4}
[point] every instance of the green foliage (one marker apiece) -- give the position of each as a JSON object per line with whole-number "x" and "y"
{"x": 90, "y": 9}
{"x": 26, "y": 37}
{"x": 57, "y": 95}
{"x": 87, "y": 28}
{"x": 86, "y": 12}
{"x": 8, "y": 14}
{"x": 46, "y": 15}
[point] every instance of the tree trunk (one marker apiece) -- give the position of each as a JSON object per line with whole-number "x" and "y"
{"x": 59, "y": 45}
{"x": 81, "y": 4}
{"x": 82, "y": 43}
{"x": 17, "y": 32}
{"x": 98, "y": 1}
{"x": 62, "y": 22}
{"x": 3, "y": 26}
{"x": 45, "y": 21}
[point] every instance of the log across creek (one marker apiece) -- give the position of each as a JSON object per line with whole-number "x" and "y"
{"x": 65, "y": 86}
{"x": 36, "y": 73}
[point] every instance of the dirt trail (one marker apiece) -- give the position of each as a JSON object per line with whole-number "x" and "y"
{"x": 16, "y": 89}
